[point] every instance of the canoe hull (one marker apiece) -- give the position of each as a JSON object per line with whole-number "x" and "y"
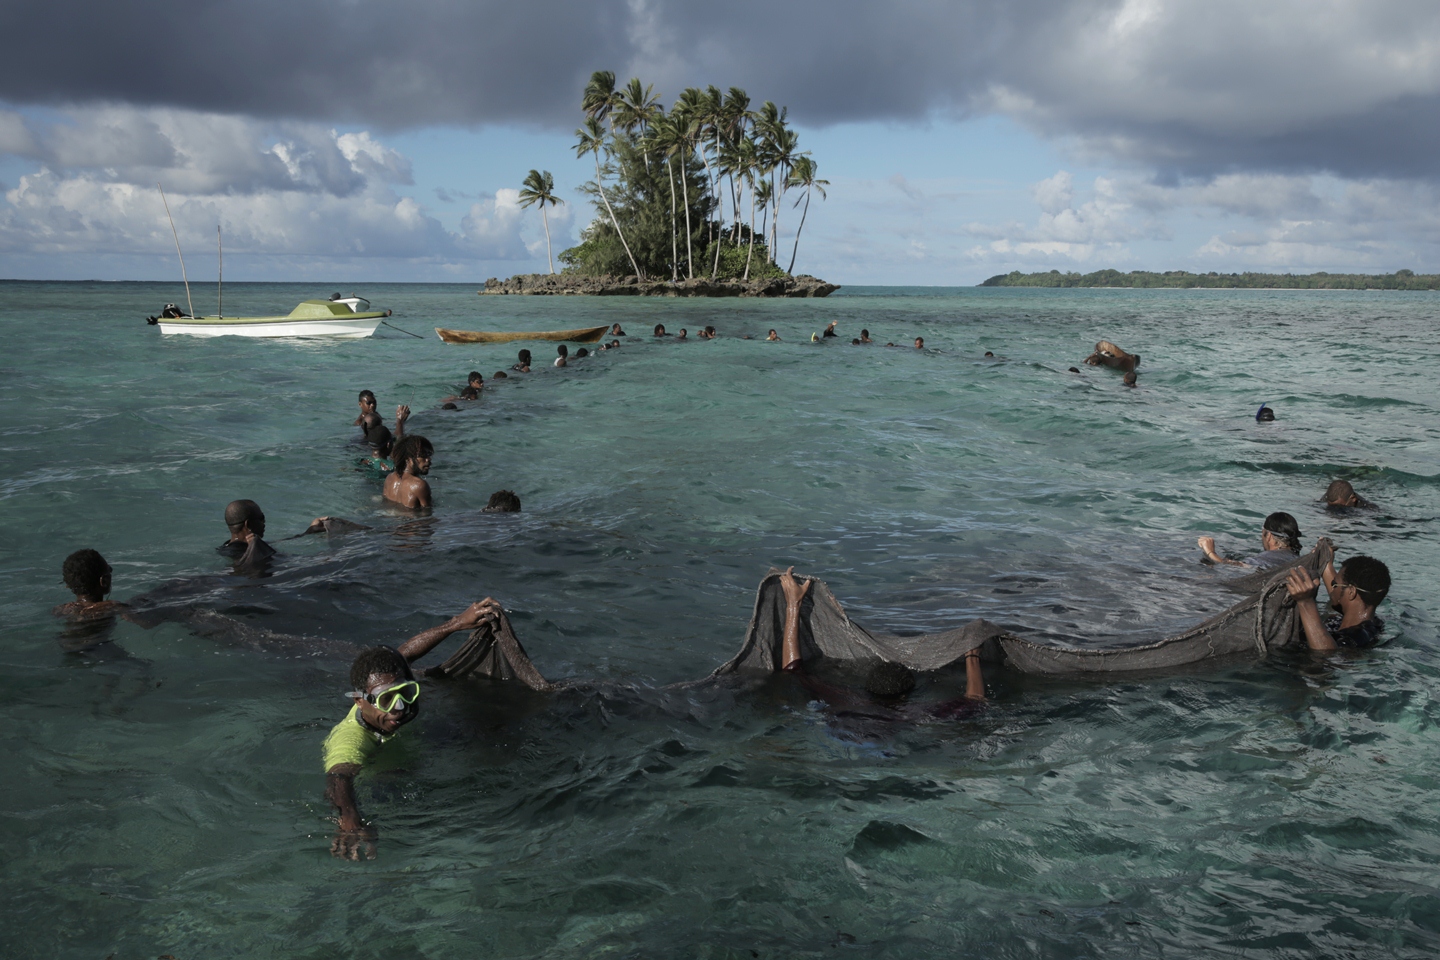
{"x": 583, "y": 335}
{"x": 354, "y": 327}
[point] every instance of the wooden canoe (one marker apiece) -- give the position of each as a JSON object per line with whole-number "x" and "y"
{"x": 584, "y": 335}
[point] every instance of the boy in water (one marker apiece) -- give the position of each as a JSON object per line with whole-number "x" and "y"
{"x": 407, "y": 486}
{"x": 1361, "y": 585}
{"x": 1340, "y": 495}
{"x": 386, "y": 697}
{"x": 88, "y": 576}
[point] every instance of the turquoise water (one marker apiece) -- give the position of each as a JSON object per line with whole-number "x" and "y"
{"x": 164, "y": 789}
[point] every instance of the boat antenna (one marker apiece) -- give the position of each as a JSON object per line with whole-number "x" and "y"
{"x": 177, "y": 250}
{"x": 220, "y": 273}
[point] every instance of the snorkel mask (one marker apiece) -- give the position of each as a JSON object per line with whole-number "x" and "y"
{"x": 398, "y": 696}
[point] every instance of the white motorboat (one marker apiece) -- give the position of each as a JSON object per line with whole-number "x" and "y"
{"x": 347, "y": 317}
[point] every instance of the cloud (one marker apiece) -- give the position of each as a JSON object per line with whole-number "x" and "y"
{"x": 1192, "y": 87}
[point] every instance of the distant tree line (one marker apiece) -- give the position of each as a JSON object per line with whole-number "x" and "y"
{"x": 1400, "y": 280}
{"x": 693, "y": 192}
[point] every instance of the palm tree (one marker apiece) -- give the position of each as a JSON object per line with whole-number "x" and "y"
{"x": 747, "y": 164}
{"x": 764, "y": 194}
{"x": 600, "y": 98}
{"x": 803, "y": 175}
{"x": 592, "y": 140}
{"x": 667, "y": 138}
{"x": 709, "y": 120}
{"x": 735, "y": 118}
{"x": 637, "y": 107}
{"x": 540, "y": 188}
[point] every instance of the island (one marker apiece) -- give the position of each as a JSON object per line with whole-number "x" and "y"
{"x": 574, "y": 284}
{"x": 1181, "y": 279}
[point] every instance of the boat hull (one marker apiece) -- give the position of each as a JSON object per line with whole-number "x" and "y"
{"x": 353, "y": 327}
{"x": 583, "y": 335}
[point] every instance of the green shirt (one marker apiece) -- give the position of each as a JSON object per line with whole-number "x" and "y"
{"x": 350, "y": 741}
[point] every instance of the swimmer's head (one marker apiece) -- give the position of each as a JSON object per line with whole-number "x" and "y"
{"x": 470, "y": 393}
{"x": 614, "y": 344}
{"x": 814, "y": 338}
{"x": 1264, "y": 414}
{"x": 502, "y": 501}
{"x": 889, "y": 680}
{"x": 415, "y": 452}
{"x": 1369, "y": 577}
{"x": 451, "y": 406}
{"x": 582, "y": 352}
{"x": 382, "y": 440}
{"x": 710, "y": 332}
{"x": 525, "y": 357}
{"x": 682, "y": 333}
{"x": 1074, "y": 369}
{"x": 475, "y": 379}
{"x": 1284, "y": 529}
{"x": 367, "y": 399}
{"x": 855, "y": 340}
{"x": 1129, "y": 379}
{"x": 659, "y": 329}
{"x": 1341, "y": 494}
{"x": 371, "y": 673}
{"x": 240, "y": 514}
{"x": 500, "y": 375}
{"x": 864, "y": 334}
{"x": 87, "y": 574}
{"x": 989, "y": 354}
{"x": 919, "y": 343}
{"x": 563, "y": 350}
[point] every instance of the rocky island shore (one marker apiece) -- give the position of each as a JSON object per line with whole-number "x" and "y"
{"x": 562, "y": 284}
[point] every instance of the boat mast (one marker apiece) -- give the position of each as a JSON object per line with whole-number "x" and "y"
{"x": 220, "y": 273}
{"x": 188, "y": 303}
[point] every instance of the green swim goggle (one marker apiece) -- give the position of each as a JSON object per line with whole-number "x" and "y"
{"x": 394, "y": 698}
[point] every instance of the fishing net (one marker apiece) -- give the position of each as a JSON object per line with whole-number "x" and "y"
{"x": 1263, "y": 621}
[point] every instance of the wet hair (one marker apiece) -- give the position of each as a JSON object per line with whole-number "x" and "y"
{"x": 382, "y": 441}
{"x": 864, "y": 334}
{"x": 659, "y": 329}
{"x": 525, "y": 357}
{"x": 475, "y": 375}
{"x": 409, "y": 448}
{"x": 582, "y": 352}
{"x": 1369, "y": 576}
{"x": 239, "y": 513}
{"x": 989, "y": 354}
{"x": 83, "y": 570}
{"x": 683, "y": 331}
{"x": 378, "y": 662}
{"x": 1074, "y": 369}
{"x": 500, "y": 375}
{"x": 1285, "y": 527}
{"x": 503, "y": 501}
{"x": 367, "y": 396}
{"x": 1340, "y": 492}
{"x": 1264, "y": 414}
{"x": 709, "y": 331}
{"x": 855, "y": 340}
{"x": 614, "y": 344}
{"x": 889, "y": 680}
{"x": 469, "y": 393}
{"x": 919, "y": 341}
{"x": 451, "y": 406}
{"x": 1129, "y": 378}
{"x": 563, "y": 350}
{"x": 772, "y": 333}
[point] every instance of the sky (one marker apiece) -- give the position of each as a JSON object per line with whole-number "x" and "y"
{"x": 352, "y": 140}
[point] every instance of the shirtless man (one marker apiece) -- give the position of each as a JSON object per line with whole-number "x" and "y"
{"x": 1340, "y": 495}
{"x": 88, "y": 576}
{"x": 1356, "y": 589}
{"x": 407, "y": 485}
{"x": 246, "y": 546}
{"x": 615, "y": 331}
{"x": 523, "y": 366}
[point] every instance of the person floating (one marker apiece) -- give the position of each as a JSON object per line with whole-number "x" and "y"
{"x": 1356, "y": 590}
{"x": 563, "y": 352}
{"x": 407, "y": 485}
{"x": 1108, "y": 355}
{"x": 502, "y": 501}
{"x": 1279, "y": 543}
{"x": 1264, "y": 414}
{"x": 386, "y": 697}
{"x": 523, "y": 365}
{"x": 1340, "y": 495}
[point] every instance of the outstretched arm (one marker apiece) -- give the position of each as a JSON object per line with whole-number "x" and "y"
{"x": 1302, "y": 589}
{"x": 1207, "y": 546}
{"x": 974, "y": 677}
{"x": 354, "y": 838}
{"x": 790, "y": 645}
{"x": 402, "y": 413}
{"x": 484, "y": 611}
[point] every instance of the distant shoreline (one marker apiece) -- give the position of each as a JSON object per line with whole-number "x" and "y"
{"x": 572, "y": 285}
{"x": 1184, "y": 280}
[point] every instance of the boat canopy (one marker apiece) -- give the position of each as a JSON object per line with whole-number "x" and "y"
{"x": 321, "y": 310}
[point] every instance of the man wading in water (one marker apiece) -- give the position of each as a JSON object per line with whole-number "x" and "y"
{"x": 386, "y": 697}
{"x": 407, "y": 485}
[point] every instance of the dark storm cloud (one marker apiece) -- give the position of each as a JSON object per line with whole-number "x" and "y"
{"x": 1182, "y": 86}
